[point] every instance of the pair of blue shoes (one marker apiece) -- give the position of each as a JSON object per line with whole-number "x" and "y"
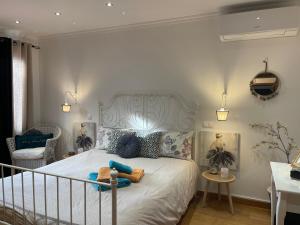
{"x": 122, "y": 182}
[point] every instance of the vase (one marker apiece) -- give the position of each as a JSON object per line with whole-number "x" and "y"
{"x": 80, "y": 150}
{"x": 224, "y": 172}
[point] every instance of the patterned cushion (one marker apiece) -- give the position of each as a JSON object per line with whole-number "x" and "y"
{"x": 177, "y": 145}
{"x": 114, "y": 138}
{"x": 103, "y": 137}
{"x": 150, "y": 145}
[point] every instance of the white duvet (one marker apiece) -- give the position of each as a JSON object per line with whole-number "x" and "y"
{"x": 161, "y": 197}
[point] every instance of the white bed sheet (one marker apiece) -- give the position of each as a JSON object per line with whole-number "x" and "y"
{"x": 161, "y": 197}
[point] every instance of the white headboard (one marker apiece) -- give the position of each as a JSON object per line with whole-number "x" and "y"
{"x": 150, "y": 111}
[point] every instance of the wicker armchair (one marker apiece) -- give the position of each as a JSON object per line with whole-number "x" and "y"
{"x": 36, "y": 157}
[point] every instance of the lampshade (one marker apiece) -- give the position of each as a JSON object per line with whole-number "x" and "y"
{"x": 222, "y": 114}
{"x": 66, "y": 107}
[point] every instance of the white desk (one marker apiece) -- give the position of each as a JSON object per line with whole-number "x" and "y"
{"x": 284, "y": 186}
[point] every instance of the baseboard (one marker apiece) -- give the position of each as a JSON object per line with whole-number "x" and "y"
{"x": 241, "y": 200}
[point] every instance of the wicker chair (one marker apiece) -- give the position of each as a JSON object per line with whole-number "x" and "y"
{"x": 35, "y": 157}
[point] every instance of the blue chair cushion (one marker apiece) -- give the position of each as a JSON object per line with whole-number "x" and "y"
{"x": 31, "y": 141}
{"x": 128, "y": 146}
{"x": 33, "y": 132}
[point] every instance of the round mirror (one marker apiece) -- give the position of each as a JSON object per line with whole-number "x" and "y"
{"x": 265, "y": 85}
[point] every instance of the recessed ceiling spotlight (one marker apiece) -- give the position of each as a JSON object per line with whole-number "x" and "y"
{"x": 18, "y": 21}
{"x": 57, "y": 14}
{"x": 258, "y": 18}
{"x": 109, "y": 4}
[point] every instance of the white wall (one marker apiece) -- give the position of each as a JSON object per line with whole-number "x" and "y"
{"x": 187, "y": 58}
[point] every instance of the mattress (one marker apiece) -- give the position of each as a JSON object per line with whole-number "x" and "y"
{"x": 161, "y": 197}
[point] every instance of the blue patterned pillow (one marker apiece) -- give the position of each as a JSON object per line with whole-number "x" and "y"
{"x": 114, "y": 138}
{"x": 150, "y": 145}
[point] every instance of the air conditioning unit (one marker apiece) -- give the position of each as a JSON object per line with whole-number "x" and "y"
{"x": 267, "y": 23}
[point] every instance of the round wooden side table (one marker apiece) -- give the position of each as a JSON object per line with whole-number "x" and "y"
{"x": 216, "y": 178}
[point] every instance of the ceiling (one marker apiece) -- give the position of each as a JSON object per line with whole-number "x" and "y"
{"x": 37, "y": 17}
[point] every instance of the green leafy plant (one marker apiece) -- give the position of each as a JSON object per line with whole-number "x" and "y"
{"x": 281, "y": 141}
{"x": 219, "y": 157}
{"x": 84, "y": 142}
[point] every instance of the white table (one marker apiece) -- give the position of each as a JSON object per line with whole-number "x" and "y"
{"x": 284, "y": 186}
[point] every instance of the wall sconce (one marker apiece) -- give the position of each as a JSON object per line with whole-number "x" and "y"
{"x": 66, "y": 107}
{"x": 222, "y": 113}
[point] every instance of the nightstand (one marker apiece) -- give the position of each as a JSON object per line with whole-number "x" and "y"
{"x": 216, "y": 178}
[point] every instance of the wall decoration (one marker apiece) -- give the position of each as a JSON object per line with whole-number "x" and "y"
{"x": 265, "y": 85}
{"x": 222, "y": 141}
{"x": 279, "y": 139}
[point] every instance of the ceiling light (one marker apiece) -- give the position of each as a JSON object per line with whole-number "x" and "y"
{"x": 109, "y": 4}
{"x": 258, "y": 18}
{"x": 57, "y": 13}
{"x": 123, "y": 13}
{"x": 17, "y": 22}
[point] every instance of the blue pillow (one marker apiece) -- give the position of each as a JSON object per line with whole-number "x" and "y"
{"x": 33, "y": 132}
{"x": 31, "y": 141}
{"x": 128, "y": 146}
{"x": 120, "y": 167}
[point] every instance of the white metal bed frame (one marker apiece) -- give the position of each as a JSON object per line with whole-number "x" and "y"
{"x": 150, "y": 111}
{"x": 14, "y": 212}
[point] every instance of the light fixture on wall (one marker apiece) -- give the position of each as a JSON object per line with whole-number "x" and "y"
{"x": 66, "y": 107}
{"x": 222, "y": 113}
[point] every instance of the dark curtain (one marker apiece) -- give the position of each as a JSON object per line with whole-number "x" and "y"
{"x": 6, "y": 113}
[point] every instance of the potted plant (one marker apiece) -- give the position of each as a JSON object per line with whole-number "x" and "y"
{"x": 218, "y": 158}
{"x": 279, "y": 139}
{"x": 83, "y": 141}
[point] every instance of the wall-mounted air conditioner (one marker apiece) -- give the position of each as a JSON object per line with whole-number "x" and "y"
{"x": 268, "y": 23}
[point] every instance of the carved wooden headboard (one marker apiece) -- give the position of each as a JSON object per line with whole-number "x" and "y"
{"x": 148, "y": 112}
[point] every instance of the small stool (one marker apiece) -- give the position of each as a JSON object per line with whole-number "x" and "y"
{"x": 219, "y": 180}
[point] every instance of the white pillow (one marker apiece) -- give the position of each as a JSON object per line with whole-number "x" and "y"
{"x": 177, "y": 145}
{"x": 103, "y": 137}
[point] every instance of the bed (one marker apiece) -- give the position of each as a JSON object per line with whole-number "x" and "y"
{"x": 161, "y": 197}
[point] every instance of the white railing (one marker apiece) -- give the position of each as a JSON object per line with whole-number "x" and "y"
{"x": 13, "y": 212}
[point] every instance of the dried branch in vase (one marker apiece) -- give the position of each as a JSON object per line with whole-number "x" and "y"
{"x": 281, "y": 140}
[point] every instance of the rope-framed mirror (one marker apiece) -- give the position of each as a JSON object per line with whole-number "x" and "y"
{"x": 265, "y": 85}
